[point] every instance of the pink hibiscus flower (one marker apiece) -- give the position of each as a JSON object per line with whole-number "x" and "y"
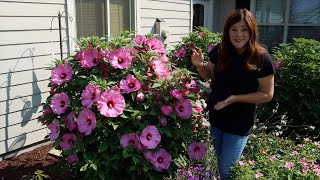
{"x": 130, "y": 84}
{"x": 140, "y": 40}
{"x": 161, "y": 159}
{"x": 121, "y": 58}
{"x": 161, "y": 68}
{"x": 176, "y": 93}
{"x": 183, "y": 108}
{"x": 192, "y": 86}
{"x": 130, "y": 139}
{"x": 148, "y": 155}
{"x": 181, "y": 53}
{"x": 72, "y": 159}
{"x": 164, "y": 58}
{"x": 59, "y": 103}
{"x": 197, "y": 150}
{"x": 111, "y": 103}
{"x": 166, "y": 110}
{"x": 54, "y": 128}
{"x": 67, "y": 141}
{"x": 90, "y": 95}
{"x": 150, "y": 137}
{"x": 70, "y": 124}
{"x": 89, "y": 58}
{"x": 86, "y": 121}
{"x": 154, "y": 44}
{"x": 62, "y": 73}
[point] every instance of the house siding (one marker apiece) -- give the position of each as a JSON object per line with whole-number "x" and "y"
{"x": 175, "y": 13}
{"x": 29, "y": 36}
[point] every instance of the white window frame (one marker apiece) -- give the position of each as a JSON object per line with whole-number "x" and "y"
{"x": 72, "y": 27}
{"x": 285, "y": 24}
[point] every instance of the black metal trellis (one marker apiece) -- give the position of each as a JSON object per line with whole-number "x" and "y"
{"x": 60, "y": 35}
{"x": 60, "y": 30}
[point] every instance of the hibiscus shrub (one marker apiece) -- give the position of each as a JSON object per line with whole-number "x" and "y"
{"x": 201, "y": 38}
{"x": 117, "y": 109}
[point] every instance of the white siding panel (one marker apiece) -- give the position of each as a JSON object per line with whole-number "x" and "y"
{"x": 40, "y": 1}
{"x": 151, "y": 13}
{"x": 17, "y": 78}
{"x": 20, "y": 117}
{"x": 25, "y": 90}
{"x": 16, "y": 130}
{"x": 30, "y": 9}
{"x": 173, "y": 6}
{"x": 29, "y": 63}
{"x": 30, "y": 23}
{"x": 21, "y": 105}
{"x": 31, "y": 50}
{"x": 179, "y": 30}
{"x": 30, "y": 138}
{"x": 20, "y": 37}
{"x": 173, "y": 22}
{"x": 172, "y": 1}
{"x": 177, "y": 38}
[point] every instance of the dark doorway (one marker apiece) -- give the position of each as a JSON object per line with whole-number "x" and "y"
{"x": 243, "y": 4}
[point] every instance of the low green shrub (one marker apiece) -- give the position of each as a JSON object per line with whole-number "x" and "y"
{"x": 295, "y": 108}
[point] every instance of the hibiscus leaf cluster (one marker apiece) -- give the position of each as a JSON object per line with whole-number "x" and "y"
{"x": 200, "y": 38}
{"x": 119, "y": 109}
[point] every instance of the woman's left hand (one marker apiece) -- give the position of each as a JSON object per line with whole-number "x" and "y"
{"x": 224, "y": 103}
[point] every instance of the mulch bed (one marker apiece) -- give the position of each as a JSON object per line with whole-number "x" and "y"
{"x": 24, "y": 165}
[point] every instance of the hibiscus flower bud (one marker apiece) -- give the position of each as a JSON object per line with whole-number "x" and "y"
{"x": 163, "y": 121}
{"x": 138, "y": 118}
{"x": 140, "y": 97}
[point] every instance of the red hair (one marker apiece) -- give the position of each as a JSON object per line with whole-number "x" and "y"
{"x": 255, "y": 51}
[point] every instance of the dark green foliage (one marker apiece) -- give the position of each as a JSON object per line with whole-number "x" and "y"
{"x": 296, "y": 105}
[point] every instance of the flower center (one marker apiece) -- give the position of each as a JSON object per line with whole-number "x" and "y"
{"x": 63, "y": 75}
{"x": 181, "y": 108}
{"x": 149, "y": 137}
{"x": 110, "y": 104}
{"x": 131, "y": 141}
{"x": 62, "y": 104}
{"x": 95, "y": 60}
{"x": 88, "y": 121}
{"x": 160, "y": 159}
{"x": 120, "y": 60}
{"x": 93, "y": 96}
{"x": 131, "y": 85}
{"x": 70, "y": 141}
{"x": 196, "y": 149}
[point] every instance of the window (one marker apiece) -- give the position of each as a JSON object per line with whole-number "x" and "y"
{"x": 281, "y": 20}
{"x": 104, "y": 17}
{"x": 198, "y": 16}
{"x": 90, "y": 18}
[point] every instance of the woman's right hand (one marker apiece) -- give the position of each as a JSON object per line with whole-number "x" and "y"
{"x": 197, "y": 58}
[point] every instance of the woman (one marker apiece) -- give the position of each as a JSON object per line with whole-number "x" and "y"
{"x": 243, "y": 76}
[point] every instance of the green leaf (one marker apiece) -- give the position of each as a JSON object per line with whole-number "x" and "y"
{"x": 84, "y": 168}
{"x": 94, "y": 166}
{"x": 155, "y": 85}
{"x": 124, "y": 116}
{"x": 115, "y": 126}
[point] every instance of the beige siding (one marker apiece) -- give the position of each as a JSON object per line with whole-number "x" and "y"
{"x": 175, "y": 13}
{"x": 29, "y": 36}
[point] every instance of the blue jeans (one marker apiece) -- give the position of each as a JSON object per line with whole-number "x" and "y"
{"x": 228, "y": 148}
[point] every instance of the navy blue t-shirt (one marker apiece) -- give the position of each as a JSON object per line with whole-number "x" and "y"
{"x": 236, "y": 118}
